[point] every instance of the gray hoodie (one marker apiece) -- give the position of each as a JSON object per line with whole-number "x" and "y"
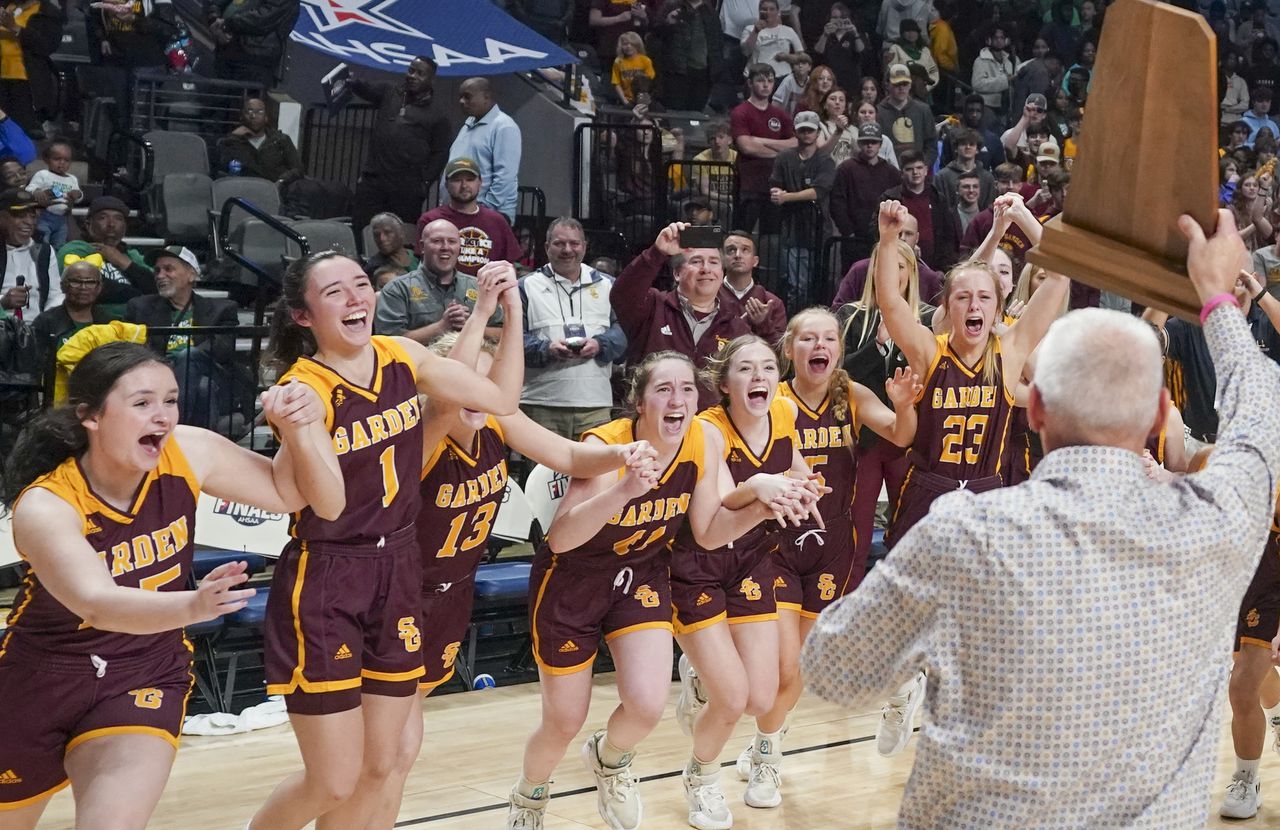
{"x": 893, "y": 12}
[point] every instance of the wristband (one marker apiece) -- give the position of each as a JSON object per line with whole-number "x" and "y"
{"x": 1215, "y": 301}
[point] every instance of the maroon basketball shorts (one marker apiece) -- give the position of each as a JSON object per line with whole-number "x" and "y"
{"x": 52, "y": 703}
{"x": 814, "y": 566}
{"x": 920, "y": 489}
{"x": 1260, "y": 611}
{"x": 446, "y": 613}
{"x": 344, "y": 620}
{"x": 574, "y": 601}
{"x": 727, "y": 584}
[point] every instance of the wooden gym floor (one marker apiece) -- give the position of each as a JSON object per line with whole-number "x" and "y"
{"x": 832, "y": 776}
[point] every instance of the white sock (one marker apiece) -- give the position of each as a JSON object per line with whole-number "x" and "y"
{"x": 535, "y": 791}
{"x": 768, "y": 745}
{"x": 1250, "y": 767}
{"x": 702, "y": 768}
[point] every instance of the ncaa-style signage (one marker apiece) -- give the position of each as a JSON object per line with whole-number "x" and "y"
{"x": 464, "y": 37}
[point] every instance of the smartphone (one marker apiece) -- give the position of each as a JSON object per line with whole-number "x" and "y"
{"x": 702, "y": 236}
{"x": 764, "y": 16}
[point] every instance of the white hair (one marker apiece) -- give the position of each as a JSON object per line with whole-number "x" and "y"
{"x": 1099, "y": 374}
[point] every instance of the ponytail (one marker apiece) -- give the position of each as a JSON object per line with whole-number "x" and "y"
{"x": 49, "y": 439}
{"x": 287, "y": 340}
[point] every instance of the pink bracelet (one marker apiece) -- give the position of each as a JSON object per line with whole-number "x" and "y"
{"x": 1215, "y": 301}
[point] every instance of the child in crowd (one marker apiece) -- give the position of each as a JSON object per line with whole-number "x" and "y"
{"x": 630, "y": 64}
{"x": 790, "y": 90}
{"x": 56, "y": 190}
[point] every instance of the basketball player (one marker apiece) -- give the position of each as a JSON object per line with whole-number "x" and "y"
{"x": 1023, "y": 449}
{"x": 343, "y": 634}
{"x": 464, "y": 480}
{"x": 818, "y": 566}
{"x": 970, "y": 375}
{"x": 871, "y": 358}
{"x": 603, "y": 572}
{"x": 726, "y": 617}
{"x": 94, "y": 668}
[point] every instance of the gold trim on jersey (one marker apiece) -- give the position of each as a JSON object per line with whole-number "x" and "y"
{"x": 613, "y": 635}
{"x": 622, "y": 431}
{"x": 788, "y": 391}
{"x": 680, "y": 628}
{"x": 18, "y": 805}
{"x": 750, "y": 618}
{"x": 385, "y": 352}
{"x": 782, "y": 424}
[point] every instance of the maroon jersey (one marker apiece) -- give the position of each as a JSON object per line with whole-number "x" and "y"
{"x": 645, "y": 525}
{"x": 963, "y": 422}
{"x": 1155, "y": 445}
{"x": 377, "y": 435}
{"x": 770, "y": 122}
{"x": 826, "y": 442}
{"x": 743, "y": 463}
{"x": 148, "y": 546}
{"x": 462, "y": 488}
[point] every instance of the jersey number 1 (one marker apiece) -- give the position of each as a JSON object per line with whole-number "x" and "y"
{"x": 390, "y": 481}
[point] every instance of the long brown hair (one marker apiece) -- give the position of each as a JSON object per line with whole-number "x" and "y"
{"x": 948, "y": 284}
{"x": 717, "y": 367}
{"x": 838, "y": 386}
{"x": 868, "y": 305}
{"x": 638, "y": 379}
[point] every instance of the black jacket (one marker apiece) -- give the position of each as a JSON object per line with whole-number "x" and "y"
{"x": 155, "y": 311}
{"x": 275, "y": 160}
{"x": 259, "y": 29}
{"x": 678, "y": 37}
{"x": 56, "y": 322}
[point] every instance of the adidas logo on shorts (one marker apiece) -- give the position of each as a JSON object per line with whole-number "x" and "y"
{"x": 10, "y": 777}
{"x": 703, "y": 599}
{"x": 343, "y": 653}
{"x": 569, "y": 647}
{"x": 779, "y": 582}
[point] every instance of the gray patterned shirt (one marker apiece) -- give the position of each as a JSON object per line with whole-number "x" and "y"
{"x": 1076, "y": 629}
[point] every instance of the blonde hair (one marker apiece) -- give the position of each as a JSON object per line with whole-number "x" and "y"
{"x": 634, "y": 39}
{"x": 717, "y": 368}
{"x": 638, "y": 378}
{"x": 868, "y": 302}
{"x": 838, "y": 386}
{"x": 1022, "y": 290}
{"x": 948, "y": 284}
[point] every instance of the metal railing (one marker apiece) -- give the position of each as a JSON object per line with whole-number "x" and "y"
{"x": 334, "y": 145}
{"x": 618, "y": 179}
{"x": 531, "y": 216}
{"x": 712, "y": 182}
{"x": 188, "y": 103}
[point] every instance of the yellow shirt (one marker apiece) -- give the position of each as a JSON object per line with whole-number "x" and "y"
{"x": 624, "y": 69}
{"x": 942, "y": 42}
{"x": 12, "y": 66}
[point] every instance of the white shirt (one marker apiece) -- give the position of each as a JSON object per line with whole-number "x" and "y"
{"x": 21, "y": 261}
{"x": 771, "y": 42}
{"x": 1076, "y": 629}
{"x": 737, "y": 14}
{"x": 60, "y": 185}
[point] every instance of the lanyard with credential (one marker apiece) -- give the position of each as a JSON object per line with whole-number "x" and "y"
{"x": 570, "y": 294}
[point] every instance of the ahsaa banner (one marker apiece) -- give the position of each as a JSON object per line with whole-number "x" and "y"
{"x": 464, "y": 37}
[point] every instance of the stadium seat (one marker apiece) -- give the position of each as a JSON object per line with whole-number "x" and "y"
{"x": 366, "y": 238}
{"x": 261, "y": 193}
{"x": 203, "y": 636}
{"x": 206, "y": 559}
{"x": 502, "y": 599}
{"x": 175, "y": 152}
{"x": 323, "y": 235}
{"x": 184, "y": 202}
{"x": 258, "y": 242}
{"x": 544, "y": 488}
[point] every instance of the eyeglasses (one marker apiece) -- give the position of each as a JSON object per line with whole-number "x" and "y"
{"x": 84, "y": 283}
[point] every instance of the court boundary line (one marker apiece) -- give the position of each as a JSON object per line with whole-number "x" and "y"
{"x": 658, "y": 776}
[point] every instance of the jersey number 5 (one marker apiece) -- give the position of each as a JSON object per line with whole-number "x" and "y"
{"x": 962, "y": 445}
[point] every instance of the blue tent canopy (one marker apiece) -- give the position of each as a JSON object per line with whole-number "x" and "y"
{"x": 464, "y": 37}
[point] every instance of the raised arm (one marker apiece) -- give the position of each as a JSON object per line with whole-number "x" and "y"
{"x": 580, "y": 459}
{"x": 897, "y": 425}
{"x": 916, "y": 340}
{"x": 46, "y": 531}
{"x": 632, "y": 296}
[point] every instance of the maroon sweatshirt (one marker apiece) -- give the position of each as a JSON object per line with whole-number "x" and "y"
{"x": 653, "y": 320}
{"x": 775, "y": 324}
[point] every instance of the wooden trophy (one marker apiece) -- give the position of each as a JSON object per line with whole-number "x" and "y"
{"x": 1150, "y": 155}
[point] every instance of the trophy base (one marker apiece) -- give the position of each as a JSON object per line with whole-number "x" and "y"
{"x": 1114, "y": 266}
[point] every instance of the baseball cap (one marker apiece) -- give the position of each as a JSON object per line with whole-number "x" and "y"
{"x": 807, "y": 120}
{"x": 107, "y": 203}
{"x": 1035, "y": 99}
{"x": 16, "y": 200}
{"x": 1049, "y": 152}
{"x": 870, "y": 132}
{"x": 177, "y": 252}
{"x": 462, "y": 164}
{"x": 899, "y": 74}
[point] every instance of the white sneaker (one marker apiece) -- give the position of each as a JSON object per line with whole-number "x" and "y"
{"x": 617, "y": 788}
{"x": 524, "y": 813}
{"x": 1275, "y": 732}
{"x": 897, "y": 716}
{"x": 707, "y": 810}
{"x": 1244, "y": 796}
{"x": 743, "y": 764}
{"x": 764, "y": 787}
{"x": 691, "y": 698}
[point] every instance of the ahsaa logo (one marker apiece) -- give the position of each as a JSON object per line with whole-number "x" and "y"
{"x": 244, "y": 514}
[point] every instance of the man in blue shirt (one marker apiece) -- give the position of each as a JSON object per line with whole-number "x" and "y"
{"x": 492, "y": 139}
{"x": 14, "y": 141}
